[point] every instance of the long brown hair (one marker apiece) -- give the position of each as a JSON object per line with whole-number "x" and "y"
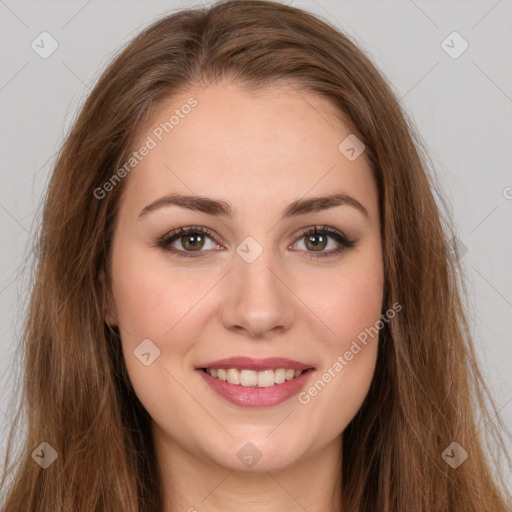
{"x": 427, "y": 391}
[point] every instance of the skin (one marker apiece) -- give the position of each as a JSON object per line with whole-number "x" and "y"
{"x": 260, "y": 152}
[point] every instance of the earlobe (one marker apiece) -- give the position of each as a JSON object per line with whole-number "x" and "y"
{"x": 109, "y": 310}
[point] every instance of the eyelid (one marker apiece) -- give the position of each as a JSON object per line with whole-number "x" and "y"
{"x": 322, "y": 229}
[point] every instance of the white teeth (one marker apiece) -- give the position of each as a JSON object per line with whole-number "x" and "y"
{"x": 248, "y": 378}
{"x": 289, "y": 374}
{"x": 251, "y": 378}
{"x": 233, "y": 376}
{"x": 265, "y": 378}
{"x": 279, "y": 376}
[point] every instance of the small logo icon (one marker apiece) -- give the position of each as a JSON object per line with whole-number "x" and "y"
{"x": 454, "y": 455}
{"x": 44, "y": 45}
{"x": 249, "y": 454}
{"x": 351, "y": 147}
{"x": 249, "y": 250}
{"x": 454, "y": 45}
{"x": 458, "y": 248}
{"x": 44, "y": 455}
{"x": 147, "y": 352}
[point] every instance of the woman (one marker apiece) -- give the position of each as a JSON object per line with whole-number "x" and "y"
{"x": 245, "y": 296}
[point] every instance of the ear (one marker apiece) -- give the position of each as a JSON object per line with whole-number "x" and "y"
{"x": 109, "y": 307}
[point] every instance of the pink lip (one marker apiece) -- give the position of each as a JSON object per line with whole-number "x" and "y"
{"x": 252, "y": 396}
{"x": 248, "y": 363}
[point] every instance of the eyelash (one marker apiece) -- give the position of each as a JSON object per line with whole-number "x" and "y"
{"x": 165, "y": 241}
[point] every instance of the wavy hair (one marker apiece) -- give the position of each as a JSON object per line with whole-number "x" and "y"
{"x": 427, "y": 389}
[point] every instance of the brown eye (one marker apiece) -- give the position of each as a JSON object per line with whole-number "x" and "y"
{"x": 192, "y": 242}
{"x": 316, "y": 242}
{"x": 317, "y": 239}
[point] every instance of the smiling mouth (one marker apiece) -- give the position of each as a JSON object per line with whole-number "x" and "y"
{"x": 252, "y": 378}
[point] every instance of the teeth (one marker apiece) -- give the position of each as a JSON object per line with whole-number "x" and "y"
{"x": 233, "y": 376}
{"x": 265, "y": 378}
{"x": 279, "y": 376}
{"x": 251, "y": 378}
{"x": 248, "y": 378}
{"x": 289, "y": 374}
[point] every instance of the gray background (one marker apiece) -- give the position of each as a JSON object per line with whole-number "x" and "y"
{"x": 461, "y": 107}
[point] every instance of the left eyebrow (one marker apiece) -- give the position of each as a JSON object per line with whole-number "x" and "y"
{"x": 222, "y": 208}
{"x": 315, "y": 204}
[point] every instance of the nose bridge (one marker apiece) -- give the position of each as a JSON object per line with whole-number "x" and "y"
{"x": 257, "y": 300}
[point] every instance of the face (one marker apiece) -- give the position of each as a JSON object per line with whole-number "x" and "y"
{"x": 252, "y": 278}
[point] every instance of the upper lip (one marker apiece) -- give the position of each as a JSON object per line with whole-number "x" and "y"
{"x": 269, "y": 363}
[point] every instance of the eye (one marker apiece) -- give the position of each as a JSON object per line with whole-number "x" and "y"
{"x": 189, "y": 241}
{"x": 316, "y": 239}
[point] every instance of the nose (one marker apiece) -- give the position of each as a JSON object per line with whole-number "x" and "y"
{"x": 258, "y": 301}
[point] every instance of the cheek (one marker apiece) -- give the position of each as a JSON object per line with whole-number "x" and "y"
{"x": 156, "y": 302}
{"x": 339, "y": 387}
{"x": 150, "y": 299}
{"x": 351, "y": 299}
{"x": 352, "y": 310}
{"x": 151, "y": 305}
{"x": 353, "y": 313}
{"x": 353, "y": 307}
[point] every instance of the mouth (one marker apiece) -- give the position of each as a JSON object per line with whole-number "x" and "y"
{"x": 246, "y": 387}
{"x": 250, "y": 372}
{"x": 251, "y": 378}
{"x": 248, "y": 382}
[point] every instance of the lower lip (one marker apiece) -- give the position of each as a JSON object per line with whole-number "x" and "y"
{"x": 253, "y": 396}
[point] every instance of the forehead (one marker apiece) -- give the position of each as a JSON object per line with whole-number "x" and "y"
{"x": 269, "y": 146}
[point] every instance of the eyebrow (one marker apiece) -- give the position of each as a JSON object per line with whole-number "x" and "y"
{"x": 222, "y": 208}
